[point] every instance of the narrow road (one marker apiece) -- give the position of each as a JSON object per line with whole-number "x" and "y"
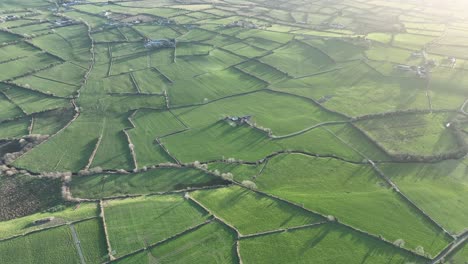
{"x": 77, "y": 243}
{"x": 464, "y": 106}
{"x": 455, "y": 245}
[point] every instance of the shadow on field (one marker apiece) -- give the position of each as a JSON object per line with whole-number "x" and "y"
{"x": 311, "y": 243}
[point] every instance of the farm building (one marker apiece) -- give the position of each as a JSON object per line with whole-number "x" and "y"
{"x": 43, "y": 221}
{"x": 239, "y": 119}
{"x": 242, "y": 24}
{"x": 160, "y": 43}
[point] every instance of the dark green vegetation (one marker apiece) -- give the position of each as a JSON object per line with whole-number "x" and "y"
{"x": 23, "y": 195}
{"x": 280, "y": 131}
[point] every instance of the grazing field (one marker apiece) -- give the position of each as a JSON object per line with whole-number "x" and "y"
{"x": 233, "y": 131}
{"x": 250, "y": 212}
{"x": 424, "y": 134}
{"x": 440, "y": 189}
{"x": 352, "y": 193}
{"x": 281, "y": 113}
{"x": 461, "y": 256}
{"x": 51, "y": 246}
{"x": 327, "y": 243}
{"x": 211, "y": 243}
{"x": 152, "y": 181}
{"x": 62, "y": 215}
{"x": 136, "y": 223}
{"x": 77, "y": 140}
{"x": 92, "y": 241}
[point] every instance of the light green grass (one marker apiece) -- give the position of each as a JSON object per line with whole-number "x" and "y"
{"x": 69, "y": 150}
{"x": 49, "y": 123}
{"x": 352, "y": 193}
{"x": 113, "y": 151}
{"x": 328, "y": 243}
{"x": 212, "y": 243}
{"x": 298, "y": 59}
{"x": 283, "y": 114}
{"x": 52, "y": 246}
{"x": 251, "y": 212}
{"x": 15, "y": 129}
{"x": 150, "y": 125}
{"x": 159, "y": 180}
{"x": 33, "y": 102}
{"x": 440, "y": 189}
{"x": 417, "y": 134}
{"x": 23, "y": 224}
{"x": 92, "y": 241}
{"x": 136, "y": 223}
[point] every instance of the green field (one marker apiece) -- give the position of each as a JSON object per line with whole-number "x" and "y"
{"x": 158, "y": 180}
{"x": 237, "y": 131}
{"x": 136, "y": 223}
{"x": 252, "y": 213}
{"x": 53, "y": 246}
{"x": 92, "y": 241}
{"x": 212, "y": 243}
{"x": 324, "y": 244}
{"x": 352, "y": 193}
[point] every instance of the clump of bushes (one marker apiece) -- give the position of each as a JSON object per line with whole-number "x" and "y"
{"x": 249, "y": 184}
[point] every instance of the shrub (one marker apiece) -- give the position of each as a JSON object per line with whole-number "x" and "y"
{"x": 249, "y": 184}
{"x": 399, "y": 242}
{"x": 420, "y": 250}
{"x": 227, "y": 176}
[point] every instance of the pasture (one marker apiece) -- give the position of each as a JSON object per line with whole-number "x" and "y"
{"x": 275, "y": 117}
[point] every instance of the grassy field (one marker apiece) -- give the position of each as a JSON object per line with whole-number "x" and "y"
{"x": 461, "y": 256}
{"x": 250, "y": 212}
{"x": 113, "y": 151}
{"x": 48, "y": 123}
{"x": 320, "y": 82}
{"x": 149, "y": 125}
{"x": 415, "y": 134}
{"x": 92, "y": 241}
{"x": 212, "y": 243}
{"x": 15, "y": 128}
{"x": 78, "y": 140}
{"x": 158, "y": 180}
{"x": 52, "y": 246}
{"x": 33, "y": 102}
{"x": 136, "y": 223}
{"x": 286, "y": 58}
{"x": 209, "y": 143}
{"x": 281, "y": 113}
{"x": 24, "y": 224}
{"x": 328, "y": 243}
{"x": 440, "y": 189}
{"x": 352, "y": 193}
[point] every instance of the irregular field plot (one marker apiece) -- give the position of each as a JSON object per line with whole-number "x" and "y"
{"x": 251, "y": 212}
{"x": 283, "y": 114}
{"x": 440, "y": 189}
{"x": 298, "y": 59}
{"x": 414, "y": 134}
{"x": 51, "y": 246}
{"x": 135, "y": 223}
{"x": 70, "y": 213}
{"x": 92, "y": 240}
{"x": 69, "y": 150}
{"x": 329, "y": 243}
{"x": 211, "y": 243}
{"x": 352, "y": 193}
{"x": 149, "y": 126}
{"x": 158, "y": 180}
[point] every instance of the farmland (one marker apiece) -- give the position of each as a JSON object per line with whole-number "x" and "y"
{"x": 232, "y": 131}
